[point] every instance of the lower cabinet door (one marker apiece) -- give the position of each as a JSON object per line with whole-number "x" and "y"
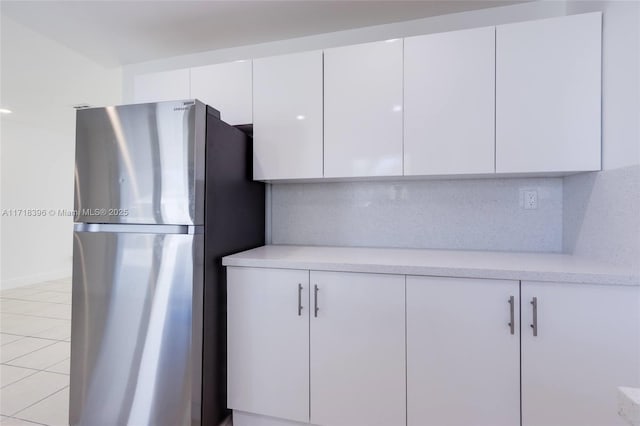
{"x": 463, "y": 352}
{"x": 268, "y": 342}
{"x": 587, "y": 343}
{"x": 357, "y": 349}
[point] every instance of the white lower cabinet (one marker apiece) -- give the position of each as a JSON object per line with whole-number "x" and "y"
{"x": 463, "y": 352}
{"x": 268, "y": 342}
{"x": 349, "y": 361}
{"x": 357, "y": 349}
{"x": 587, "y": 344}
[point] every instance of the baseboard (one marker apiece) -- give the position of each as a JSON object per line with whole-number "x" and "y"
{"x": 34, "y": 279}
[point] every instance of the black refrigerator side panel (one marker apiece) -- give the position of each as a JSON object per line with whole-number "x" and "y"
{"x": 234, "y": 221}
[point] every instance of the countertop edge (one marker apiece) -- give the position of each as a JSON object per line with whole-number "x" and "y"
{"x": 486, "y": 273}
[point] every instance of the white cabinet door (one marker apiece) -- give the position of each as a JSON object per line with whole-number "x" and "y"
{"x": 463, "y": 360}
{"x": 268, "y": 342}
{"x": 227, "y": 88}
{"x": 548, "y": 95}
{"x": 358, "y": 349}
{"x": 587, "y": 344}
{"x": 363, "y": 110}
{"x": 161, "y": 86}
{"x": 449, "y": 98}
{"x": 287, "y": 116}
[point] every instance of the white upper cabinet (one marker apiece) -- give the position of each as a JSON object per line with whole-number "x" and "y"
{"x": 449, "y": 99}
{"x": 161, "y": 86}
{"x": 287, "y": 116}
{"x": 363, "y": 110}
{"x": 227, "y": 88}
{"x": 516, "y": 98}
{"x": 548, "y": 95}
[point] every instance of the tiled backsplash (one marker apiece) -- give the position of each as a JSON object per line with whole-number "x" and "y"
{"x": 602, "y": 215}
{"x": 474, "y": 214}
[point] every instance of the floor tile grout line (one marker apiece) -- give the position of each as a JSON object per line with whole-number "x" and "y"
{"x": 2, "y": 385}
{"x": 22, "y": 336}
{"x": 34, "y": 337}
{"x": 24, "y": 420}
{"x": 44, "y": 287}
{"x": 36, "y": 316}
{"x": 20, "y": 309}
{"x": 33, "y": 293}
{"x": 48, "y": 290}
{"x": 37, "y": 402}
{"x": 35, "y": 370}
{"x": 39, "y": 295}
{"x": 40, "y": 369}
{"x": 34, "y": 286}
{"x": 57, "y": 289}
{"x": 39, "y": 301}
{"x": 34, "y": 296}
{"x": 27, "y": 353}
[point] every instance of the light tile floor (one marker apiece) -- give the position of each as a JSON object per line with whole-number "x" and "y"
{"x": 35, "y": 330}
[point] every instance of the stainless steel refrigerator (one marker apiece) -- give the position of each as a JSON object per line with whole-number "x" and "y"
{"x": 162, "y": 192}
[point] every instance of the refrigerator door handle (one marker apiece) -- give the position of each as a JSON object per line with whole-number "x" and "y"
{"x": 135, "y": 228}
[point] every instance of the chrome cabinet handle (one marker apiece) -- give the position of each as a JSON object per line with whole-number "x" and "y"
{"x": 299, "y": 299}
{"x": 534, "y": 326}
{"x": 512, "y": 312}
{"x": 315, "y": 300}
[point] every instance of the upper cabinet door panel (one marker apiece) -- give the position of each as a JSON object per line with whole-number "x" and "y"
{"x": 449, "y": 99}
{"x": 548, "y": 84}
{"x": 161, "y": 86}
{"x": 227, "y": 88}
{"x": 363, "y": 110}
{"x": 287, "y": 113}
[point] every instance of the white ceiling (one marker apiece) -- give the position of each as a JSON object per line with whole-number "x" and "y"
{"x": 122, "y": 32}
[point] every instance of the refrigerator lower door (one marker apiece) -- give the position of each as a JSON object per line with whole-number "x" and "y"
{"x": 136, "y": 329}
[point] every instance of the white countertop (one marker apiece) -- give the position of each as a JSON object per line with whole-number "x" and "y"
{"x": 450, "y": 263}
{"x": 629, "y": 405}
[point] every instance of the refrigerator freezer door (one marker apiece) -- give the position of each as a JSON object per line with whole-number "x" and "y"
{"x": 141, "y": 163}
{"x": 136, "y": 329}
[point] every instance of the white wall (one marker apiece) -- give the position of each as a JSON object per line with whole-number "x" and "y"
{"x": 40, "y": 81}
{"x": 602, "y": 210}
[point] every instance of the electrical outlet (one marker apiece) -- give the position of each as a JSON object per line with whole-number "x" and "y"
{"x": 530, "y": 199}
